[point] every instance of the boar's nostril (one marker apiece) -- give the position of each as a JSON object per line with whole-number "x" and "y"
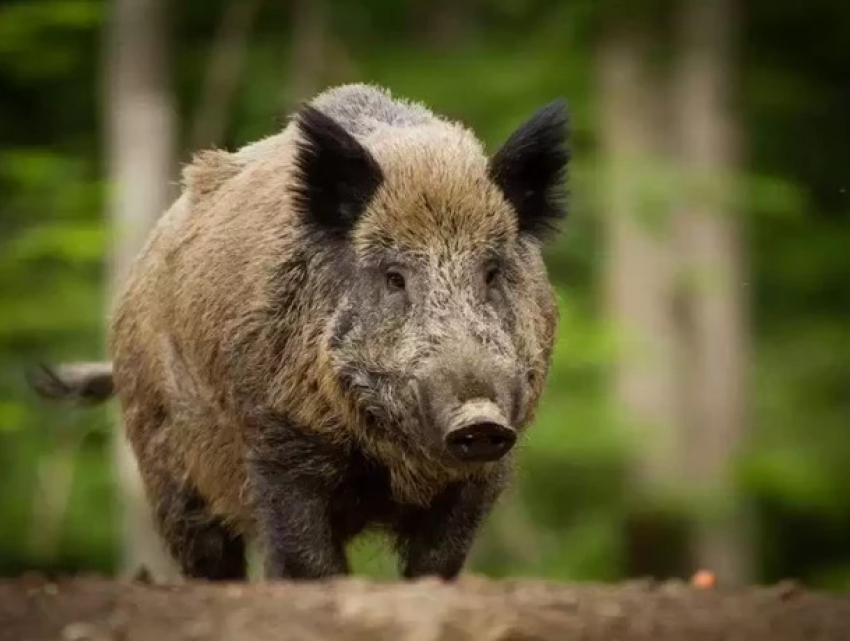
{"x": 480, "y": 441}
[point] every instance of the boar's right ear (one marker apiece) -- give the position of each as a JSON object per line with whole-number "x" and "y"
{"x": 337, "y": 175}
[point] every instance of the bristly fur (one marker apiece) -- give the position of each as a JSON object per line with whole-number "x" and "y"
{"x": 530, "y": 169}
{"x": 337, "y": 175}
{"x": 209, "y": 170}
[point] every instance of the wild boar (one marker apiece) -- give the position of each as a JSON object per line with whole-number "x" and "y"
{"x": 346, "y": 325}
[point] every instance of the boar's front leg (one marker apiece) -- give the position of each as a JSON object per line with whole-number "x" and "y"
{"x": 436, "y": 540}
{"x": 292, "y": 484}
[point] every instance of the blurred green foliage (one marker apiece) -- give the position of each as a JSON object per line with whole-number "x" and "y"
{"x": 565, "y": 518}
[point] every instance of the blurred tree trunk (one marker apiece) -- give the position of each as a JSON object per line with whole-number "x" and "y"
{"x": 442, "y": 23}
{"x": 226, "y": 56}
{"x": 140, "y": 148}
{"x": 711, "y": 245}
{"x": 639, "y": 280}
{"x": 307, "y": 62}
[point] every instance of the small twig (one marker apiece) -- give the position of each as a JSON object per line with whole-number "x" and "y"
{"x": 55, "y": 474}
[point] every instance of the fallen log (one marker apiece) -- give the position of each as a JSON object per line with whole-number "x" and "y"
{"x": 473, "y": 608}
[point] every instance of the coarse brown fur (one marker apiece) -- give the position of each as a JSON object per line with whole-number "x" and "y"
{"x": 244, "y": 349}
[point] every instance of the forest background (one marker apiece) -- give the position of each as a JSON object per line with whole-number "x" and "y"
{"x": 698, "y": 410}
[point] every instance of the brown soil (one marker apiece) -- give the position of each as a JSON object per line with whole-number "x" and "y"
{"x": 94, "y": 609}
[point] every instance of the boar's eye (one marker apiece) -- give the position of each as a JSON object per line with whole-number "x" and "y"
{"x": 395, "y": 281}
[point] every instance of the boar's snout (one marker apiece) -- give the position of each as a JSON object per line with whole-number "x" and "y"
{"x": 469, "y": 402}
{"x": 479, "y": 433}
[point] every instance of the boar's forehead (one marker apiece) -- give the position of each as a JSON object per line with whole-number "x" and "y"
{"x": 436, "y": 196}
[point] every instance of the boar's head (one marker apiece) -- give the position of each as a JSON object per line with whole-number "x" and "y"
{"x": 442, "y": 335}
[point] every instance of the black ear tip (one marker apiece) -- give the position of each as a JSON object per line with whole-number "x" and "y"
{"x": 559, "y": 104}
{"x": 557, "y": 112}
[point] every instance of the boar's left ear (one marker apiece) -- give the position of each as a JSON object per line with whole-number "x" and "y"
{"x": 530, "y": 169}
{"x": 337, "y": 175}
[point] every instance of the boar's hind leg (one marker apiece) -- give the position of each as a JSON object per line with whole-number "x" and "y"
{"x": 202, "y": 545}
{"x": 436, "y": 540}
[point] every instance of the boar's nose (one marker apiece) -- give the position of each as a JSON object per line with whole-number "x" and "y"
{"x": 479, "y": 433}
{"x": 480, "y": 442}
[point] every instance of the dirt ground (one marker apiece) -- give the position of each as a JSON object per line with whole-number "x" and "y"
{"x": 97, "y": 609}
